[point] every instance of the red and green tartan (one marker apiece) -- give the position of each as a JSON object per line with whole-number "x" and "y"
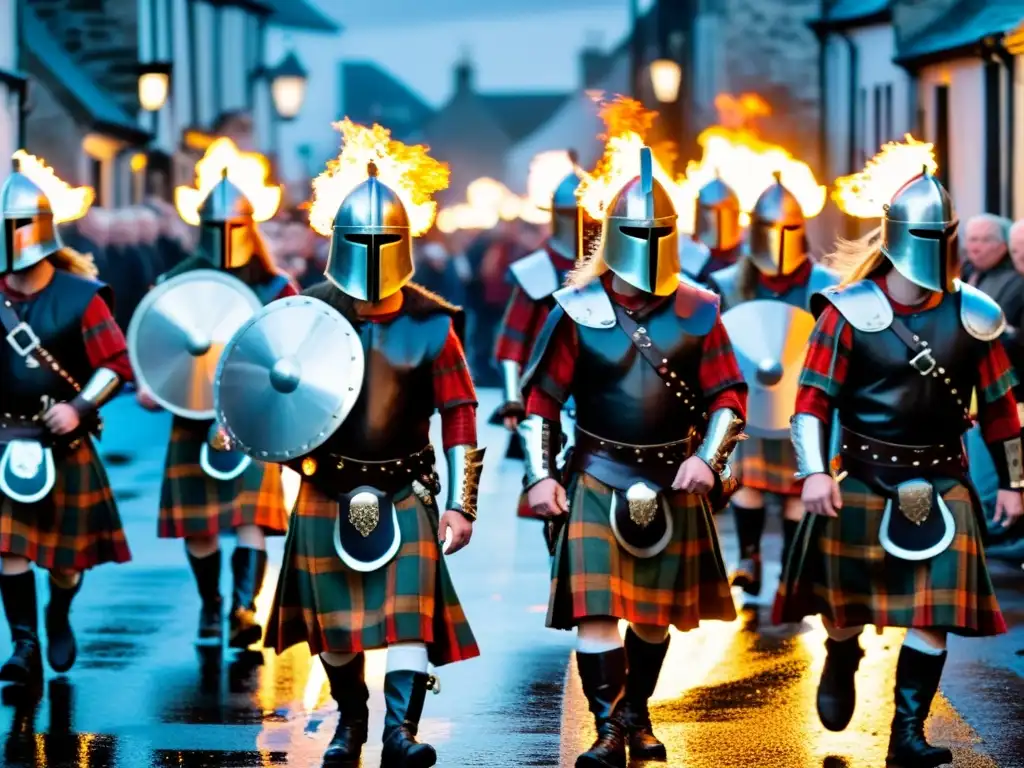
{"x": 323, "y": 603}
{"x": 194, "y": 504}
{"x": 76, "y": 526}
{"x": 595, "y": 577}
{"x": 839, "y": 570}
{"x": 768, "y": 466}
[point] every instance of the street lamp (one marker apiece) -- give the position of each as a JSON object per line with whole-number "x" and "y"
{"x": 288, "y": 86}
{"x": 154, "y": 85}
{"x": 666, "y": 76}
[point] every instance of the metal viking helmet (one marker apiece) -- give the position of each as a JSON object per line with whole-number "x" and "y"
{"x": 639, "y": 240}
{"x": 565, "y": 224}
{"x": 717, "y": 223}
{"x": 919, "y": 234}
{"x": 371, "y": 248}
{"x": 226, "y": 234}
{"x": 778, "y": 239}
{"x": 29, "y": 232}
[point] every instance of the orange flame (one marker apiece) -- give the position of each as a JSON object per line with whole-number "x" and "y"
{"x": 67, "y": 203}
{"x": 489, "y": 201}
{"x": 408, "y": 170}
{"x": 249, "y": 171}
{"x": 863, "y": 194}
{"x": 627, "y": 123}
{"x": 734, "y": 152}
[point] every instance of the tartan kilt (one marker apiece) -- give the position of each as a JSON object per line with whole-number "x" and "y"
{"x": 839, "y": 570}
{"x": 194, "y": 504}
{"x": 321, "y": 602}
{"x": 593, "y": 576}
{"x": 76, "y": 526}
{"x": 766, "y": 465}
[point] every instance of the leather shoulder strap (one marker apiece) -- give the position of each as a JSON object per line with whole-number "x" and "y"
{"x": 643, "y": 344}
{"x": 23, "y": 340}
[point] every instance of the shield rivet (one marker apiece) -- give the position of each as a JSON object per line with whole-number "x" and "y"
{"x": 917, "y": 463}
{"x": 874, "y": 455}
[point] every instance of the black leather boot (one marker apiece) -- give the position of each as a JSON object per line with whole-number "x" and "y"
{"x": 348, "y": 689}
{"x": 211, "y": 620}
{"x": 61, "y": 649}
{"x": 917, "y": 680}
{"x": 837, "y": 691}
{"x": 749, "y": 529}
{"x": 404, "y": 693}
{"x": 644, "y": 661}
{"x": 248, "y": 566}
{"x": 25, "y": 667}
{"x": 604, "y": 683}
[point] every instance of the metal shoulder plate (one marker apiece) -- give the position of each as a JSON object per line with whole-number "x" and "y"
{"x": 693, "y": 256}
{"x": 588, "y": 306}
{"x": 725, "y": 282}
{"x": 820, "y": 279}
{"x": 536, "y": 275}
{"x": 862, "y": 305}
{"x": 981, "y": 317}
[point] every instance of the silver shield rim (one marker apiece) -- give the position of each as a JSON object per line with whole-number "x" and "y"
{"x": 226, "y": 331}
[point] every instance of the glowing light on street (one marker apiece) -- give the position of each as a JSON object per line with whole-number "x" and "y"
{"x": 67, "y": 203}
{"x": 863, "y": 194}
{"x": 249, "y": 171}
{"x": 407, "y": 169}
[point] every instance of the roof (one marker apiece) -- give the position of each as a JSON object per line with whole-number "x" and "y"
{"x": 961, "y": 28}
{"x": 520, "y": 114}
{"x": 372, "y": 94}
{"x": 84, "y": 98}
{"x": 300, "y": 14}
{"x": 845, "y": 14}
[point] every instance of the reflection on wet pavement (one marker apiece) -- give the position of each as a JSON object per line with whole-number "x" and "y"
{"x": 733, "y": 695}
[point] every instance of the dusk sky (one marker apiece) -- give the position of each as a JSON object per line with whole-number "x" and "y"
{"x": 516, "y": 44}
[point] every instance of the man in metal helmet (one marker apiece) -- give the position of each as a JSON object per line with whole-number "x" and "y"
{"x": 882, "y": 406}
{"x": 717, "y": 234}
{"x": 373, "y": 483}
{"x": 644, "y": 356}
{"x": 777, "y": 239}
{"x": 200, "y": 500}
{"x": 770, "y": 287}
{"x": 536, "y": 277}
{"x": 370, "y": 257}
{"x": 62, "y": 356}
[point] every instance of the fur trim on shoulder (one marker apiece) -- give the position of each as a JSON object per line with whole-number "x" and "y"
{"x": 419, "y": 299}
{"x": 76, "y": 263}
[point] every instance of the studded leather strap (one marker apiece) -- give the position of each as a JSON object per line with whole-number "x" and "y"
{"x": 925, "y": 363}
{"x": 12, "y": 324}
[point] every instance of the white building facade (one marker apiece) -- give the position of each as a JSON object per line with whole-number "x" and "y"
{"x": 12, "y": 85}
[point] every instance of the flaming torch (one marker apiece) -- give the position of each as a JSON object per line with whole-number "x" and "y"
{"x": 408, "y": 170}
{"x": 863, "y": 194}
{"x": 249, "y": 171}
{"x": 67, "y": 203}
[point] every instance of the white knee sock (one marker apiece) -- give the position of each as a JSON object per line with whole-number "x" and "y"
{"x": 651, "y": 634}
{"x": 598, "y": 636}
{"x": 407, "y": 657}
{"x": 932, "y": 642}
{"x": 336, "y": 659}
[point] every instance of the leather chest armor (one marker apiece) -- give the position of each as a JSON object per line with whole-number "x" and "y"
{"x": 391, "y": 418}
{"x": 619, "y": 395}
{"x": 55, "y": 315}
{"x": 885, "y": 398}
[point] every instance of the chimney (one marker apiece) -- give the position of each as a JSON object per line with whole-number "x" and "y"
{"x": 464, "y": 77}
{"x": 593, "y": 60}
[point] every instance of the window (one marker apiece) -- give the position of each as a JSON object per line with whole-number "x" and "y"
{"x": 942, "y": 132}
{"x": 878, "y": 117}
{"x": 96, "y": 180}
{"x": 889, "y": 128}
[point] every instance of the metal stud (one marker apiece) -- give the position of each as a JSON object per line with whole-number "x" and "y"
{"x": 894, "y": 458}
{"x": 874, "y": 455}
{"x": 942, "y": 370}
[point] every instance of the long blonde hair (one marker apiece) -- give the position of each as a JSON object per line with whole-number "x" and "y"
{"x": 858, "y": 259}
{"x": 588, "y": 270}
{"x": 74, "y": 262}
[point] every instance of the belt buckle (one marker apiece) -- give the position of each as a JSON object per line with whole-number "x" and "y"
{"x": 23, "y": 350}
{"x": 923, "y": 362}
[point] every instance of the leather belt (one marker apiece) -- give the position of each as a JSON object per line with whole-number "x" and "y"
{"x": 659, "y": 455}
{"x": 336, "y": 475}
{"x": 878, "y": 454}
{"x": 14, "y": 427}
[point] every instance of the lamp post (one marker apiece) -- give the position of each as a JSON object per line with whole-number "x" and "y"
{"x": 154, "y": 85}
{"x": 288, "y": 86}
{"x": 666, "y": 76}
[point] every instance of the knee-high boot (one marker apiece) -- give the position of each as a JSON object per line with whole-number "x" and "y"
{"x": 61, "y": 649}
{"x": 837, "y": 691}
{"x": 348, "y": 689}
{"x": 207, "y": 574}
{"x": 248, "y": 566}
{"x": 644, "y": 661}
{"x": 604, "y": 683}
{"x": 25, "y": 666}
{"x": 917, "y": 681}
{"x": 404, "y": 695}
{"x": 749, "y": 529}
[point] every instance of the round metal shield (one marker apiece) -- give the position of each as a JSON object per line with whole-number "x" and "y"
{"x": 769, "y": 339}
{"x": 288, "y": 379}
{"x": 178, "y": 332}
